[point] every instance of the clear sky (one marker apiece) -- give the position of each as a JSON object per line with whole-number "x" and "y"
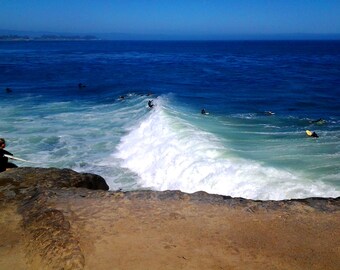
{"x": 172, "y": 17}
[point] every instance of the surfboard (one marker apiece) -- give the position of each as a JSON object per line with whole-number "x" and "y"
{"x": 309, "y": 133}
{"x": 19, "y": 159}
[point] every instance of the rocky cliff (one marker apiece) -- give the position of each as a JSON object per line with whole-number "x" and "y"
{"x": 61, "y": 219}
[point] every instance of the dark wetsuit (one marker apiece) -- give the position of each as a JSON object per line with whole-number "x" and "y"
{"x": 4, "y": 164}
{"x": 314, "y": 135}
{"x": 150, "y": 104}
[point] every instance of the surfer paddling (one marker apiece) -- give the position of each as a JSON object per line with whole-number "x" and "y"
{"x": 203, "y": 111}
{"x": 320, "y": 121}
{"x": 4, "y": 164}
{"x": 312, "y": 134}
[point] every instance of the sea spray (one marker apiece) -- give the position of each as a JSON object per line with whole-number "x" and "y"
{"x": 168, "y": 153}
{"x": 237, "y": 149}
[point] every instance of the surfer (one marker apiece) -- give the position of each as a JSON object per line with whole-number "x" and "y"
{"x": 4, "y": 164}
{"x": 312, "y": 134}
{"x": 268, "y": 113}
{"x": 80, "y": 85}
{"x": 150, "y": 103}
{"x": 203, "y": 111}
{"x": 319, "y": 121}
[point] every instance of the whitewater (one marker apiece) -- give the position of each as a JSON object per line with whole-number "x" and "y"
{"x": 163, "y": 148}
{"x": 168, "y": 153}
{"x": 236, "y": 150}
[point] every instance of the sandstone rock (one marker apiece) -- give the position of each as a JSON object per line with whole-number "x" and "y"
{"x": 62, "y": 219}
{"x": 16, "y": 183}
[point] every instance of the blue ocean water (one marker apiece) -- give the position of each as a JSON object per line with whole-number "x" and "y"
{"x": 237, "y": 149}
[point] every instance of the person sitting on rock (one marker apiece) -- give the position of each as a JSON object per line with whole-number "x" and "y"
{"x": 4, "y": 164}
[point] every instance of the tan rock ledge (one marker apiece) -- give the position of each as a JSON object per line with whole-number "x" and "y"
{"x": 51, "y": 219}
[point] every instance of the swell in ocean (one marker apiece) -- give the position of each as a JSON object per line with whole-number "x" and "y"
{"x": 236, "y": 150}
{"x": 167, "y": 152}
{"x": 175, "y": 147}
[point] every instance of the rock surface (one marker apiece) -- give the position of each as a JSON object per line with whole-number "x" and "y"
{"x": 14, "y": 184}
{"x": 60, "y": 219}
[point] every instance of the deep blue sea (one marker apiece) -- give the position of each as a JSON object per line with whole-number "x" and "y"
{"x": 237, "y": 149}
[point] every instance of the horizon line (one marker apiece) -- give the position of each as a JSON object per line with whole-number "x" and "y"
{"x": 179, "y": 37}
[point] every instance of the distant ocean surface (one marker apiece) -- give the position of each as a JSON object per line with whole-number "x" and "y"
{"x": 237, "y": 149}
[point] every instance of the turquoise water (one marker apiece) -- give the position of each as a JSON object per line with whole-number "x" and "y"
{"x": 237, "y": 149}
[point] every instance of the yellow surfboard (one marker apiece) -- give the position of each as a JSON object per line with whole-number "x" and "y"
{"x": 309, "y": 133}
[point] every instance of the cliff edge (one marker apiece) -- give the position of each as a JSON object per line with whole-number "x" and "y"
{"x": 60, "y": 219}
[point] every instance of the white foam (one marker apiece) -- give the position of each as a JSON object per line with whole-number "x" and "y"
{"x": 169, "y": 154}
{"x": 164, "y": 151}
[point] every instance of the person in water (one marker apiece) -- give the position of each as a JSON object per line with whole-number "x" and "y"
{"x": 319, "y": 121}
{"x": 314, "y": 135}
{"x": 150, "y": 103}
{"x": 203, "y": 111}
{"x": 4, "y": 164}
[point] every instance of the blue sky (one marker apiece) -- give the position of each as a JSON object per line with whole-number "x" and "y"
{"x": 173, "y": 17}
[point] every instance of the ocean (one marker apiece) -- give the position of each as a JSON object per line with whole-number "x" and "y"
{"x": 239, "y": 149}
